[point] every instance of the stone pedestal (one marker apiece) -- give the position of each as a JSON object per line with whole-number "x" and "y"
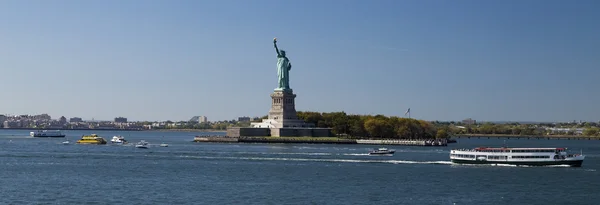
{"x": 283, "y": 110}
{"x": 283, "y": 120}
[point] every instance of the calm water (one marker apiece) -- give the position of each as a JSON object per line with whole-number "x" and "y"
{"x": 43, "y": 171}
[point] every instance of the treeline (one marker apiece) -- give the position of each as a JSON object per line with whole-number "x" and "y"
{"x": 489, "y": 128}
{"x": 378, "y": 126}
{"x": 518, "y": 129}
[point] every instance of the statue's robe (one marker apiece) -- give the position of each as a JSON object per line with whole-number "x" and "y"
{"x": 283, "y": 72}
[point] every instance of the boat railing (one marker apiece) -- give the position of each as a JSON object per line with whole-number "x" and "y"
{"x": 466, "y": 150}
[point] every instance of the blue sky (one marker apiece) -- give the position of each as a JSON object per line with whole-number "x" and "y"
{"x": 170, "y": 60}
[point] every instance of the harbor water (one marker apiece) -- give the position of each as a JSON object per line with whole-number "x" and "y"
{"x": 44, "y": 171}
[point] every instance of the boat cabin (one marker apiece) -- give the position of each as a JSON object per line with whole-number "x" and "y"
{"x": 521, "y": 150}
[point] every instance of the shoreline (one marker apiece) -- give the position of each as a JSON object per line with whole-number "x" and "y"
{"x": 320, "y": 140}
{"x": 526, "y": 136}
{"x": 133, "y": 130}
{"x": 185, "y": 130}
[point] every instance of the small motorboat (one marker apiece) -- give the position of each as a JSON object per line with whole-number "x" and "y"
{"x": 382, "y": 151}
{"x": 142, "y": 144}
{"x": 66, "y": 142}
{"x": 164, "y": 144}
{"x": 118, "y": 140}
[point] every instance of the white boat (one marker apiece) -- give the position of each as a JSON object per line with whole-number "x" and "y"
{"x": 142, "y": 144}
{"x": 382, "y": 151}
{"x": 47, "y": 133}
{"x": 164, "y": 144}
{"x": 516, "y": 156}
{"x": 118, "y": 140}
{"x": 66, "y": 142}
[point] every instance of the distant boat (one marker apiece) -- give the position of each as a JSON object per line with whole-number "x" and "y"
{"x": 164, "y": 144}
{"x": 66, "y": 142}
{"x": 382, "y": 151}
{"x": 118, "y": 140}
{"x": 47, "y": 133}
{"x": 91, "y": 139}
{"x": 142, "y": 144}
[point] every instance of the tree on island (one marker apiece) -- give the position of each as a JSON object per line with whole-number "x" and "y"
{"x": 368, "y": 126}
{"x": 592, "y": 131}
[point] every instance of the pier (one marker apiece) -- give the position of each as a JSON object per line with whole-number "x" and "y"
{"x": 407, "y": 142}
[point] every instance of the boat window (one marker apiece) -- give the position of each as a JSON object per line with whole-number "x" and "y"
{"x": 530, "y": 157}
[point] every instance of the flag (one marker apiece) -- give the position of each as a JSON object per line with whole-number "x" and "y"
{"x": 407, "y": 112}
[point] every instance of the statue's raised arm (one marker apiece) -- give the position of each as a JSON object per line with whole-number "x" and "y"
{"x": 275, "y": 43}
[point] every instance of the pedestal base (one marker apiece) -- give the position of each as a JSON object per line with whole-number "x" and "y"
{"x": 287, "y": 90}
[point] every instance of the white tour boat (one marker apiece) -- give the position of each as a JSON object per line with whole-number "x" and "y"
{"x": 516, "y": 156}
{"x": 118, "y": 140}
{"x": 47, "y": 133}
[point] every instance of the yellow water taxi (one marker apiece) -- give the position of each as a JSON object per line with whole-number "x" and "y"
{"x": 91, "y": 139}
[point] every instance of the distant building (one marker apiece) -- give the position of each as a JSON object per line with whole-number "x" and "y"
{"x": 75, "y": 119}
{"x": 577, "y": 131}
{"x": 469, "y": 121}
{"x": 194, "y": 119}
{"x": 202, "y": 119}
{"x": 43, "y": 117}
{"x": 62, "y": 120}
{"x": 12, "y": 124}
{"x": 120, "y": 120}
{"x": 199, "y": 119}
{"x": 244, "y": 119}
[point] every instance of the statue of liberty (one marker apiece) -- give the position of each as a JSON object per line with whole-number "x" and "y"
{"x": 283, "y": 68}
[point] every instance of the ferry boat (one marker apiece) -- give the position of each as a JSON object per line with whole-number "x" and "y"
{"x": 91, "y": 139}
{"x": 382, "y": 151}
{"x": 47, "y": 133}
{"x": 516, "y": 156}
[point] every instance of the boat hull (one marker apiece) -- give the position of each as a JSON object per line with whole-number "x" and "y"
{"x": 572, "y": 163}
{"x": 381, "y": 153}
{"x": 79, "y": 142}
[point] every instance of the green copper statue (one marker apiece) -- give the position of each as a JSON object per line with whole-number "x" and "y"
{"x": 283, "y": 68}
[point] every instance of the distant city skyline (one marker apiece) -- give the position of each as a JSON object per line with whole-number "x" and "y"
{"x": 201, "y": 119}
{"x": 161, "y": 60}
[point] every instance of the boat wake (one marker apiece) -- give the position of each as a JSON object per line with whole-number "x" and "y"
{"x": 321, "y": 160}
{"x": 360, "y": 154}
